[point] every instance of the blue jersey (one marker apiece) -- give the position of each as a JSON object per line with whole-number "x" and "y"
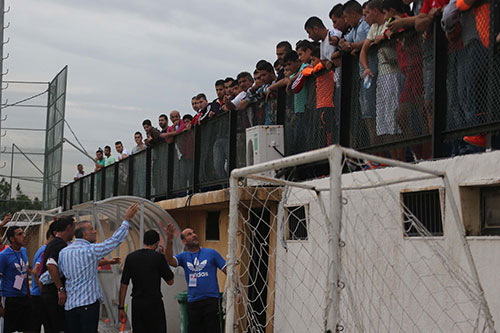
{"x": 14, "y": 264}
{"x": 203, "y": 264}
{"x": 35, "y": 290}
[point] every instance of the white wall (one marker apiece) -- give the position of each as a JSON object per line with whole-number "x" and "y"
{"x": 392, "y": 283}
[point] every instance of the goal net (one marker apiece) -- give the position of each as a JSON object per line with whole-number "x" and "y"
{"x": 360, "y": 249}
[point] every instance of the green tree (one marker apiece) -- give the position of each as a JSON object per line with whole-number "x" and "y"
{"x": 19, "y": 202}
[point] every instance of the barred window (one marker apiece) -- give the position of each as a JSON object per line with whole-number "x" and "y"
{"x": 423, "y": 206}
{"x": 296, "y": 217}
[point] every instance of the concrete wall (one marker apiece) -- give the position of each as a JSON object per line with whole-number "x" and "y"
{"x": 392, "y": 282}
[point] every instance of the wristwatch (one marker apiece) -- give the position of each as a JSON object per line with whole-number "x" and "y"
{"x": 121, "y": 308}
{"x": 61, "y": 289}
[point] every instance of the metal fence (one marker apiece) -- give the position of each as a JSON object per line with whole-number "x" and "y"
{"x": 426, "y": 95}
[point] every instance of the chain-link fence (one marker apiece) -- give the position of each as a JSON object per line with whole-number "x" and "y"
{"x": 431, "y": 95}
{"x": 139, "y": 173}
{"x": 214, "y": 150}
{"x": 183, "y": 162}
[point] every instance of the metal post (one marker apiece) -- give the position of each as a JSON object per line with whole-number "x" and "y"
{"x": 2, "y": 21}
{"x": 233, "y": 138}
{"x": 344, "y": 123}
{"x": 11, "y": 168}
{"x": 197, "y": 157}
{"x": 131, "y": 162}
{"x": 115, "y": 179}
{"x": 92, "y": 186}
{"x": 103, "y": 184}
{"x": 148, "y": 173}
{"x": 232, "y": 256}
{"x": 440, "y": 96}
{"x": 335, "y": 160}
{"x": 170, "y": 169}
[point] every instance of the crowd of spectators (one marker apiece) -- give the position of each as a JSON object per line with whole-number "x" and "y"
{"x": 396, "y": 80}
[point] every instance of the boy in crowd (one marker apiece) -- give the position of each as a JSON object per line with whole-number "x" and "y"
{"x": 99, "y": 160}
{"x": 389, "y": 79}
{"x": 266, "y": 109}
{"x": 204, "y": 108}
{"x": 153, "y": 135}
{"x": 140, "y": 144}
{"x": 293, "y": 67}
{"x": 109, "y": 159}
{"x": 219, "y": 101}
{"x": 353, "y": 42}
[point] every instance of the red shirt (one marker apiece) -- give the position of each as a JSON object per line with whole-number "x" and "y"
{"x": 428, "y": 4}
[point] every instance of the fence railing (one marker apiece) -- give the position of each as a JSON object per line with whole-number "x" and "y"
{"x": 426, "y": 95}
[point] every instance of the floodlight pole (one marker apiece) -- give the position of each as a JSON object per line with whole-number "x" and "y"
{"x": 2, "y": 15}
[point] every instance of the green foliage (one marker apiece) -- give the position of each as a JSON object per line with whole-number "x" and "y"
{"x": 19, "y": 200}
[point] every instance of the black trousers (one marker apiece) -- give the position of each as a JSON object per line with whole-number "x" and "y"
{"x": 148, "y": 315}
{"x": 37, "y": 313}
{"x": 17, "y": 314}
{"x": 83, "y": 319}
{"x": 203, "y": 316}
{"x": 54, "y": 320}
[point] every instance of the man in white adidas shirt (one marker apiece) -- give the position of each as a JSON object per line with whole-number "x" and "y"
{"x": 200, "y": 268}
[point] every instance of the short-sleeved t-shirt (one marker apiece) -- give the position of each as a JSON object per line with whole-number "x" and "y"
{"x": 52, "y": 252}
{"x": 12, "y": 264}
{"x": 300, "y": 98}
{"x": 35, "y": 290}
{"x": 101, "y": 162}
{"x": 146, "y": 268}
{"x": 204, "y": 263}
{"x": 326, "y": 49}
{"x": 109, "y": 160}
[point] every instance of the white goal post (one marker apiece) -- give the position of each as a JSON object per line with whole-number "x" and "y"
{"x": 342, "y": 252}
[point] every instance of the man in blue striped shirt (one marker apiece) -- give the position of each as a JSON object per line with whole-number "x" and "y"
{"x": 78, "y": 262}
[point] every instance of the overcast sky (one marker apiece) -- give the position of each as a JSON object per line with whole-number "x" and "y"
{"x": 132, "y": 60}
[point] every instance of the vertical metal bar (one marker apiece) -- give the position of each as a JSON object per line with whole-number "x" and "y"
{"x": 131, "y": 162}
{"x": 440, "y": 95}
{"x": 2, "y": 21}
{"x": 344, "y": 123}
{"x": 11, "y": 170}
{"x": 232, "y": 257}
{"x": 335, "y": 161}
{"x": 148, "y": 173}
{"x": 197, "y": 157}
{"x": 115, "y": 178}
{"x": 80, "y": 189}
{"x": 170, "y": 168}
{"x": 233, "y": 137}
{"x": 92, "y": 186}
{"x": 103, "y": 183}
{"x": 71, "y": 196}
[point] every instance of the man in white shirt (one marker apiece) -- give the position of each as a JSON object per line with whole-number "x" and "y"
{"x": 122, "y": 152}
{"x": 80, "y": 172}
{"x": 319, "y": 33}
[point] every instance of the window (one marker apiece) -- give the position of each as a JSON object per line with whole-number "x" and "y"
{"x": 425, "y": 206}
{"x": 296, "y": 222}
{"x": 212, "y": 226}
{"x": 490, "y": 211}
